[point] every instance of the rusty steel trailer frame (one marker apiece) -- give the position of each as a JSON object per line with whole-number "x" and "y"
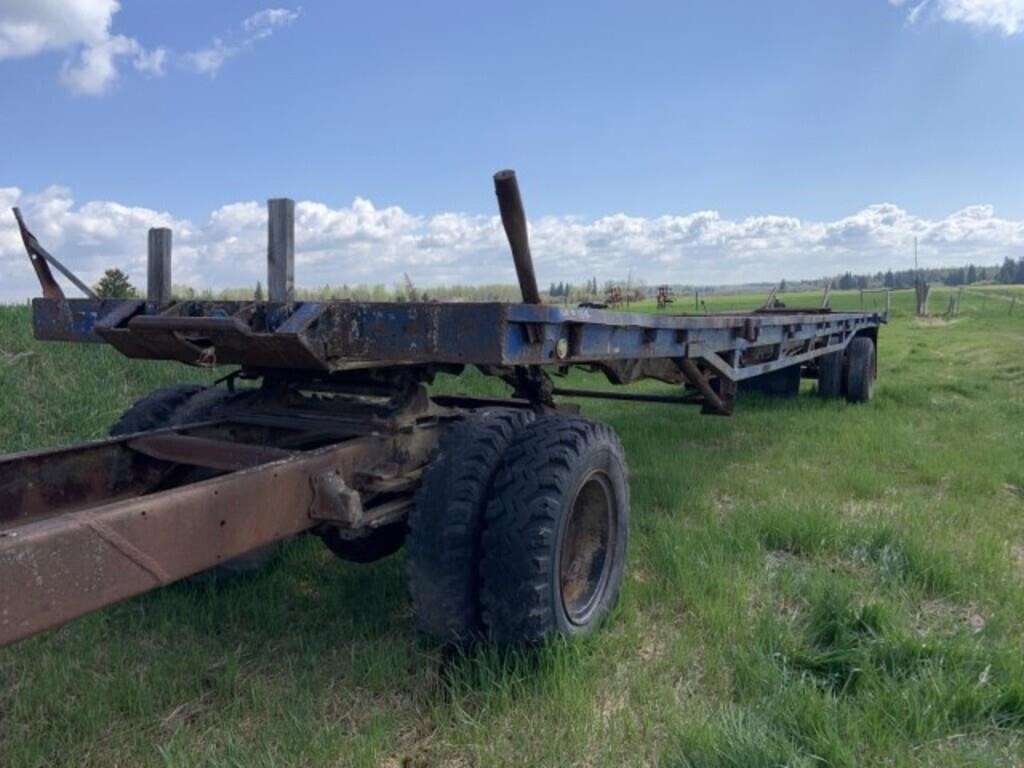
{"x": 90, "y": 525}
{"x": 334, "y": 422}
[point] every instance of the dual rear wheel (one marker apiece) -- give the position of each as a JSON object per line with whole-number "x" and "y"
{"x": 851, "y": 373}
{"x": 520, "y": 529}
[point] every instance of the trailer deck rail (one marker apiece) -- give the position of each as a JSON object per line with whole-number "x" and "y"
{"x": 334, "y": 336}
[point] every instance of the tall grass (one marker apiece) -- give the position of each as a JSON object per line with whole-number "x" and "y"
{"x": 810, "y": 583}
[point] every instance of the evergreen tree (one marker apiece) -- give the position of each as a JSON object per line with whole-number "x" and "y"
{"x": 114, "y": 285}
{"x": 1007, "y": 272}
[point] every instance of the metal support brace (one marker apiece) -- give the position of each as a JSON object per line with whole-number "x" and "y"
{"x": 41, "y": 259}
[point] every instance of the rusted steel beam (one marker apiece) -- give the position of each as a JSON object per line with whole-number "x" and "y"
{"x": 158, "y": 271}
{"x": 712, "y": 402}
{"x": 513, "y": 218}
{"x": 281, "y": 249}
{"x": 39, "y": 257}
{"x": 340, "y": 336}
{"x": 598, "y": 394}
{"x": 204, "y": 452}
{"x": 60, "y": 567}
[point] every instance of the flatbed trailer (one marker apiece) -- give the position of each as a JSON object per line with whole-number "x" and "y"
{"x": 514, "y": 510}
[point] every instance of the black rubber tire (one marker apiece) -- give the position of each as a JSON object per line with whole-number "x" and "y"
{"x": 860, "y": 370}
{"x": 443, "y": 545}
{"x": 155, "y": 410}
{"x": 380, "y": 543}
{"x": 784, "y": 382}
{"x": 830, "y": 375}
{"x": 535, "y": 490}
{"x": 205, "y": 405}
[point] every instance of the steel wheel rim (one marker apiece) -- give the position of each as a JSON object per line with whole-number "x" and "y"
{"x": 586, "y": 553}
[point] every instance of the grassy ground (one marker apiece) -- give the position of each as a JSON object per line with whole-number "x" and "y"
{"x": 810, "y": 583}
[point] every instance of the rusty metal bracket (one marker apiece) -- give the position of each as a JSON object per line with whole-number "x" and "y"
{"x": 712, "y": 402}
{"x": 39, "y": 257}
{"x": 334, "y": 501}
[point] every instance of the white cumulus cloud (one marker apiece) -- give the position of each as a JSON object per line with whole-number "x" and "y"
{"x": 82, "y": 29}
{"x": 364, "y": 243}
{"x": 31, "y": 27}
{"x": 1006, "y": 16}
{"x": 28, "y": 27}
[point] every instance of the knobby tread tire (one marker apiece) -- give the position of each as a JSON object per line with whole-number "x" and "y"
{"x": 860, "y": 370}
{"x": 830, "y": 375}
{"x": 443, "y": 543}
{"x": 522, "y": 524}
{"x": 205, "y": 405}
{"x": 155, "y": 410}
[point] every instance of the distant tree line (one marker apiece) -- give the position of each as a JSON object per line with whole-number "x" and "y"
{"x": 378, "y": 292}
{"x": 563, "y": 290}
{"x": 1011, "y": 271}
{"x": 115, "y": 284}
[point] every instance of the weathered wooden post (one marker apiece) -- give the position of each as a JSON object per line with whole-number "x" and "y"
{"x": 921, "y": 289}
{"x": 281, "y": 249}
{"x": 158, "y": 272}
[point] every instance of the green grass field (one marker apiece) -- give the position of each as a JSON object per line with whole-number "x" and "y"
{"x": 810, "y": 583}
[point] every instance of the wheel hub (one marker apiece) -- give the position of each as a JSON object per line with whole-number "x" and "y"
{"x": 584, "y": 560}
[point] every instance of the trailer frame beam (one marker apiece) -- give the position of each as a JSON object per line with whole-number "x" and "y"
{"x": 59, "y": 567}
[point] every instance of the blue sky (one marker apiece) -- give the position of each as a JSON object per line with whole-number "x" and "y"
{"x": 692, "y": 141}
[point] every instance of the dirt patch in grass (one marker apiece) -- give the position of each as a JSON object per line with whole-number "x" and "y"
{"x": 1014, "y": 490}
{"x": 862, "y": 508}
{"x": 933, "y": 322}
{"x": 722, "y": 506}
{"x": 1017, "y": 551}
{"x": 945, "y": 617}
